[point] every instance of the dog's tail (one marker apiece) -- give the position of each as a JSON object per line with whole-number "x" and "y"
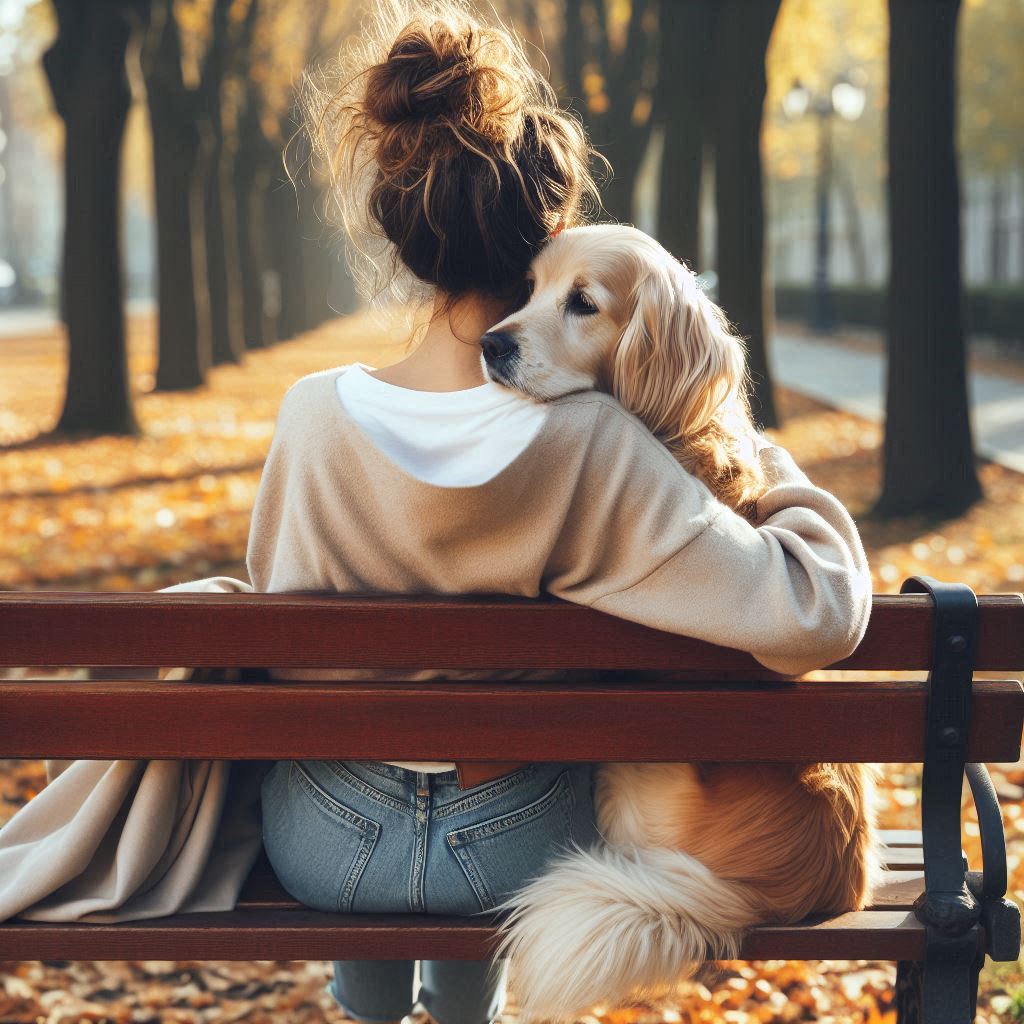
{"x": 602, "y": 924}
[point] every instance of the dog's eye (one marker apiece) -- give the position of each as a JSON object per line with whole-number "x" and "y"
{"x": 579, "y": 304}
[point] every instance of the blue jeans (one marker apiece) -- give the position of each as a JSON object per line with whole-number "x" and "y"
{"x": 367, "y": 837}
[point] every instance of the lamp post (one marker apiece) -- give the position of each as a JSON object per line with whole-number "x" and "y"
{"x": 846, "y": 99}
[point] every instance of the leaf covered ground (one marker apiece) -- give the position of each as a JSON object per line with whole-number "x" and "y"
{"x": 174, "y": 504}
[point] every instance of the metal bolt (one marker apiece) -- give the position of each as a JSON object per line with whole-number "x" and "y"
{"x": 951, "y": 736}
{"x": 957, "y": 643}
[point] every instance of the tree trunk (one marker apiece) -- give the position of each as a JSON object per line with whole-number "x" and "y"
{"x": 997, "y": 227}
{"x": 929, "y": 456}
{"x": 183, "y": 336}
{"x": 742, "y": 34}
{"x": 683, "y": 92}
{"x": 250, "y": 192}
{"x": 283, "y": 218}
{"x": 219, "y": 208}
{"x": 622, "y": 132}
{"x": 854, "y": 223}
{"x": 311, "y": 229}
{"x": 86, "y": 70}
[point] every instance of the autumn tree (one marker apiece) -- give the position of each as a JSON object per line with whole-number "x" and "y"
{"x": 217, "y": 150}
{"x": 685, "y": 88}
{"x": 183, "y": 320}
{"x": 610, "y": 61}
{"x": 710, "y": 97}
{"x": 286, "y": 243}
{"x": 85, "y": 68}
{"x": 929, "y": 464}
{"x": 742, "y": 34}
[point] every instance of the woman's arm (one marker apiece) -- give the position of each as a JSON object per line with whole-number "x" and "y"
{"x": 795, "y": 591}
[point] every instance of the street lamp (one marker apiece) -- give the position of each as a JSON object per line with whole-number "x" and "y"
{"x": 846, "y": 99}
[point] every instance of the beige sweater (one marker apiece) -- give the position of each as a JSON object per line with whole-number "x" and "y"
{"x": 595, "y": 510}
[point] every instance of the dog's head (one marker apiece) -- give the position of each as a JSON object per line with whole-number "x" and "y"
{"x": 611, "y": 309}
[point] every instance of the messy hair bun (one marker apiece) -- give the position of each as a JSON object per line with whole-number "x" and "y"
{"x": 449, "y": 158}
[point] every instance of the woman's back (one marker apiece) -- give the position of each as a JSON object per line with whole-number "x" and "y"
{"x": 593, "y": 509}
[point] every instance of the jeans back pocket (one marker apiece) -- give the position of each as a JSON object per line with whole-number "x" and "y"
{"x": 317, "y": 846}
{"x": 501, "y": 854}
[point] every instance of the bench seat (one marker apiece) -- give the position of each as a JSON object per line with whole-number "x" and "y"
{"x": 270, "y": 924}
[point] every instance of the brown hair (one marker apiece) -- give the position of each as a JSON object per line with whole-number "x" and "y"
{"x": 447, "y": 152}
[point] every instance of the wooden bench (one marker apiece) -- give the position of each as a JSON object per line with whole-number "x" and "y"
{"x": 724, "y": 707}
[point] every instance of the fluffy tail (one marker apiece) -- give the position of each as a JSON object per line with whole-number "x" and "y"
{"x": 602, "y": 924}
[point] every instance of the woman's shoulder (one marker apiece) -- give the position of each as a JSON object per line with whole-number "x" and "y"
{"x": 307, "y": 400}
{"x": 305, "y": 387}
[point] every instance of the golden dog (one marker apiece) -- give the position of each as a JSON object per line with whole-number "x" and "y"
{"x": 694, "y": 854}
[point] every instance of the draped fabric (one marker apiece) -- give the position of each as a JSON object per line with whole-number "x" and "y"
{"x": 110, "y": 841}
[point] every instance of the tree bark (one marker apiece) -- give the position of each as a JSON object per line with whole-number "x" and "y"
{"x": 183, "y": 333}
{"x": 685, "y": 31}
{"x": 86, "y": 71}
{"x": 928, "y": 452}
{"x": 997, "y": 227}
{"x": 619, "y": 133}
{"x": 854, "y": 223}
{"x": 220, "y": 232}
{"x": 283, "y": 218}
{"x": 313, "y": 230}
{"x": 251, "y": 178}
{"x": 742, "y": 34}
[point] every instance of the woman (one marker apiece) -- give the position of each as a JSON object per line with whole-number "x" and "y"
{"x": 452, "y": 165}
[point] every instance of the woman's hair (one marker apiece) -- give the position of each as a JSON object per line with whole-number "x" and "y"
{"x": 449, "y": 159}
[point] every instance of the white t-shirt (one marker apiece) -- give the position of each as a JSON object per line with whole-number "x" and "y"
{"x": 446, "y": 438}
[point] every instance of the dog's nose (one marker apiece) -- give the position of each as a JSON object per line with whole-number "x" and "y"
{"x": 497, "y": 346}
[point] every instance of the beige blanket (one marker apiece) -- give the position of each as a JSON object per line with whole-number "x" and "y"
{"x": 110, "y": 841}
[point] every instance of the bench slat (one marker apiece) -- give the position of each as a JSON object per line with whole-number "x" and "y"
{"x": 900, "y": 836}
{"x": 906, "y": 858}
{"x": 274, "y": 630}
{"x": 812, "y": 721}
{"x": 262, "y": 890}
{"x": 309, "y": 935}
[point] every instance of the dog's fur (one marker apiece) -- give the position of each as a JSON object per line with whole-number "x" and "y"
{"x": 694, "y": 854}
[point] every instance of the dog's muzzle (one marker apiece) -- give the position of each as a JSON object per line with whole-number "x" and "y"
{"x": 498, "y": 348}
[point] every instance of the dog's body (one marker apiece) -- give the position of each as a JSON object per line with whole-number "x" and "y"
{"x": 694, "y": 854}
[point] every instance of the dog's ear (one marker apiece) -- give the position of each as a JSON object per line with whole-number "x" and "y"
{"x": 677, "y": 362}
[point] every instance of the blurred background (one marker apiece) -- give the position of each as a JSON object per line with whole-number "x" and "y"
{"x": 847, "y": 177}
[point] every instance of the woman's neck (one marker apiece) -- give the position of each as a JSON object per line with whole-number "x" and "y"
{"x": 448, "y": 357}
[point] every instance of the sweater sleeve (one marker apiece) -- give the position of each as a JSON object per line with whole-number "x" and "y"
{"x": 795, "y": 590}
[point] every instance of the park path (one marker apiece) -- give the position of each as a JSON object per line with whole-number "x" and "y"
{"x": 852, "y": 378}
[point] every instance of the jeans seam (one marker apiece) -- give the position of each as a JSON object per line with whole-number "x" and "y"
{"x": 493, "y": 790}
{"x": 505, "y": 822}
{"x": 355, "y": 872}
{"x": 381, "y": 770}
{"x": 366, "y": 790}
{"x": 460, "y": 840}
{"x": 369, "y": 832}
{"x": 327, "y": 803}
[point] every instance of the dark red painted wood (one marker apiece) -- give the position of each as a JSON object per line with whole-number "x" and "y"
{"x": 273, "y": 630}
{"x": 309, "y": 935}
{"x": 781, "y": 721}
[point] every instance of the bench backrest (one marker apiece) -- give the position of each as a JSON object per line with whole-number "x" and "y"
{"x": 744, "y": 714}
